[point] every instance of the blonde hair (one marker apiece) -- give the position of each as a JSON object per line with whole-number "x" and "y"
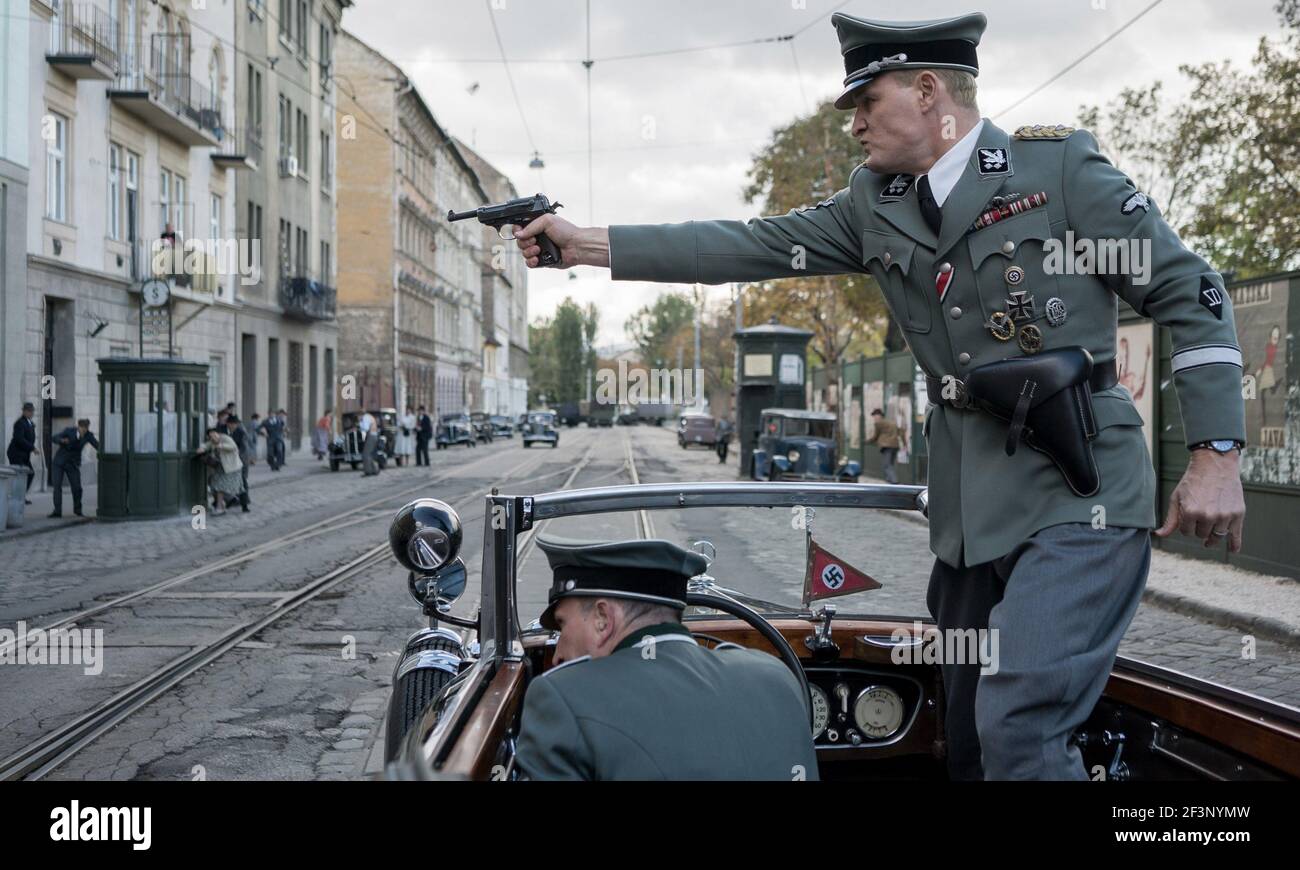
{"x": 959, "y": 83}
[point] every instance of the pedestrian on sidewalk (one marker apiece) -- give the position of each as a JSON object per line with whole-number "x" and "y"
{"x": 320, "y": 438}
{"x": 67, "y": 463}
{"x": 273, "y": 426}
{"x": 406, "y": 428}
{"x": 885, "y": 436}
{"x": 22, "y": 444}
{"x": 221, "y": 454}
{"x": 423, "y": 435}
{"x": 369, "y": 440}
{"x": 246, "y": 455}
{"x": 723, "y": 438}
{"x": 250, "y": 428}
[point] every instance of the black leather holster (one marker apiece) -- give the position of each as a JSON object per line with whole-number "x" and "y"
{"x": 1046, "y": 400}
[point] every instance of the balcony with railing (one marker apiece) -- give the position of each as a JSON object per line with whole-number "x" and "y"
{"x": 162, "y": 93}
{"x": 304, "y": 298}
{"x": 84, "y": 42}
{"x": 155, "y": 260}
{"x": 240, "y": 148}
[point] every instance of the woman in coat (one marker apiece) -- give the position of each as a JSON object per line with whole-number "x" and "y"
{"x": 221, "y": 455}
{"x": 320, "y": 438}
{"x": 405, "y": 447}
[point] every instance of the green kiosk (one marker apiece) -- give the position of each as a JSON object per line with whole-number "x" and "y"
{"x": 152, "y": 416}
{"x": 773, "y": 368}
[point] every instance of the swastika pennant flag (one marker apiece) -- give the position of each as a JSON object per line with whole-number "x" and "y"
{"x": 828, "y": 575}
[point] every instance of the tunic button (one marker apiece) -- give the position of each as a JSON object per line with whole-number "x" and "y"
{"x": 1009, "y": 247}
{"x": 964, "y": 359}
{"x": 888, "y": 258}
{"x": 946, "y": 268}
{"x": 955, "y": 312}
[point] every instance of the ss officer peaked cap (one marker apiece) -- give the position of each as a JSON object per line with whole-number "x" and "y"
{"x": 653, "y": 571}
{"x": 874, "y": 47}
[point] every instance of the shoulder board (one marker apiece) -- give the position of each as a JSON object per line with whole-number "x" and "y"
{"x": 576, "y": 661}
{"x": 1046, "y": 132}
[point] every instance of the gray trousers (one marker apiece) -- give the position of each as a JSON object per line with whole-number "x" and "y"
{"x": 888, "y": 456}
{"x": 1060, "y": 602}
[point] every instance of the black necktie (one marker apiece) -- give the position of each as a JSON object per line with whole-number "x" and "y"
{"x": 929, "y": 208}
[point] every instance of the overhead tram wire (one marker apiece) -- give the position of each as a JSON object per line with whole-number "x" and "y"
{"x": 1080, "y": 59}
{"x": 511, "y": 79}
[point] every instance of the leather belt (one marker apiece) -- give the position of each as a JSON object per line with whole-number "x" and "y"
{"x": 1104, "y": 376}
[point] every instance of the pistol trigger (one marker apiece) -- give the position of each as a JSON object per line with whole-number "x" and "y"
{"x": 501, "y": 229}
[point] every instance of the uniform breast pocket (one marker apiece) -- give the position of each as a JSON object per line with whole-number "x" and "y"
{"x": 1011, "y": 266}
{"x": 891, "y": 261}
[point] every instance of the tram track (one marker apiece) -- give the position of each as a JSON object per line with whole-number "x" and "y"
{"x": 329, "y": 525}
{"x": 50, "y": 750}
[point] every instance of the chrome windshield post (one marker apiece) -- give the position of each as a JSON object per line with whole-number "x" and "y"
{"x": 499, "y": 610}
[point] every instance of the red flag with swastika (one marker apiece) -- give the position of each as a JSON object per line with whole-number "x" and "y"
{"x": 828, "y": 575}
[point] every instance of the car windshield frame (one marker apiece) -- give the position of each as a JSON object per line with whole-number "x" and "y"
{"x": 506, "y": 543}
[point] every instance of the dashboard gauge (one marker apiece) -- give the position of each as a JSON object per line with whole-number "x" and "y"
{"x": 878, "y": 712}
{"x": 821, "y": 709}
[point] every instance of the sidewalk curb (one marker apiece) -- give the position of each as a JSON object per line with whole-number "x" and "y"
{"x": 1261, "y": 626}
{"x": 10, "y": 534}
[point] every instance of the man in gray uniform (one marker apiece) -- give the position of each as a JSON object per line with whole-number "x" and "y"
{"x": 632, "y": 696}
{"x": 966, "y": 229}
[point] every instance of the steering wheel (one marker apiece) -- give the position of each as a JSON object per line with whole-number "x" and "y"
{"x": 752, "y": 618}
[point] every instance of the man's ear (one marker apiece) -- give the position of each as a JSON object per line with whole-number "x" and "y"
{"x": 928, "y": 88}
{"x": 604, "y": 617}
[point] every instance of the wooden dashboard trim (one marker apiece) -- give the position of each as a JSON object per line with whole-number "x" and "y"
{"x": 475, "y": 748}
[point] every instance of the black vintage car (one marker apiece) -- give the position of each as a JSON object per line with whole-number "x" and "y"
{"x": 454, "y": 429}
{"x": 541, "y": 427}
{"x": 875, "y": 691}
{"x": 799, "y": 445}
{"x": 347, "y": 446}
{"x": 501, "y": 426}
{"x": 697, "y": 429}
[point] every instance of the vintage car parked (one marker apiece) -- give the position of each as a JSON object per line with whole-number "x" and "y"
{"x": 875, "y": 691}
{"x": 454, "y": 429}
{"x": 800, "y": 445}
{"x": 501, "y": 426}
{"x": 697, "y": 429}
{"x": 542, "y": 428}
{"x": 482, "y": 427}
{"x": 347, "y": 445}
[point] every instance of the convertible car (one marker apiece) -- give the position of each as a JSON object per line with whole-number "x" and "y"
{"x": 875, "y": 693}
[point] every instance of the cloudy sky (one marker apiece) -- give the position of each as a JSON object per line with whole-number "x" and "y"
{"x": 673, "y": 132}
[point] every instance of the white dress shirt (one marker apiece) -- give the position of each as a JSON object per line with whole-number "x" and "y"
{"x": 948, "y": 169}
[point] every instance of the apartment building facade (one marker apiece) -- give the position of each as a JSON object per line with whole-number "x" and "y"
{"x": 410, "y": 300}
{"x": 287, "y": 336}
{"x": 505, "y": 304}
{"x": 127, "y": 104}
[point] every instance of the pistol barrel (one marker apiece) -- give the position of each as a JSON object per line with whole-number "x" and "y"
{"x": 453, "y": 215}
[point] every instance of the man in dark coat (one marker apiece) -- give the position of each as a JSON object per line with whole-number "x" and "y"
{"x": 247, "y": 454}
{"x": 423, "y": 435}
{"x": 67, "y": 463}
{"x": 23, "y": 443}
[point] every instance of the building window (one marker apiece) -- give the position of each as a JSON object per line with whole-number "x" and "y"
{"x": 302, "y": 28}
{"x": 214, "y": 216}
{"x": 132, "y": 201}
{"x": 165, "y": 201}
{"x": 302, "y": 141}
{"x": 325, "y": 263}
{"x": 286, "y": 131}
{"x": 326, "y": 163}
{"x": 114, "y": 191}
{"x": 301, "y": 259}
{"x": 255, "y": 230}
{"x": 56, "y": 171}
{"x": 178, "y": 206}
{"x": 286, "y": 20}
{"x": 282, "y": 249}
{"x": 216, "y": 382}
{"x": 326, "y": 58}
{"x": 254, "y": 113}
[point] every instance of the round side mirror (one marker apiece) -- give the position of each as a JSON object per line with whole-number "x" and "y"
{"x": 445, "y": 586}
{"x": 425, "y": 535}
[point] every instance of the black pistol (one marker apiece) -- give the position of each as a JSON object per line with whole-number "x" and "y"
{"x": 521, "y": 212}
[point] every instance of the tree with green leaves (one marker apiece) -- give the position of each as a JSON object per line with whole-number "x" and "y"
{"x": 806, "y": 162}
{"x": 1224, "y": 166}
{"x": 561, "y": 353}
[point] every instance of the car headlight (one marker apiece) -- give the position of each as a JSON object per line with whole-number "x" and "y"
{"x": 793, "y": 456}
